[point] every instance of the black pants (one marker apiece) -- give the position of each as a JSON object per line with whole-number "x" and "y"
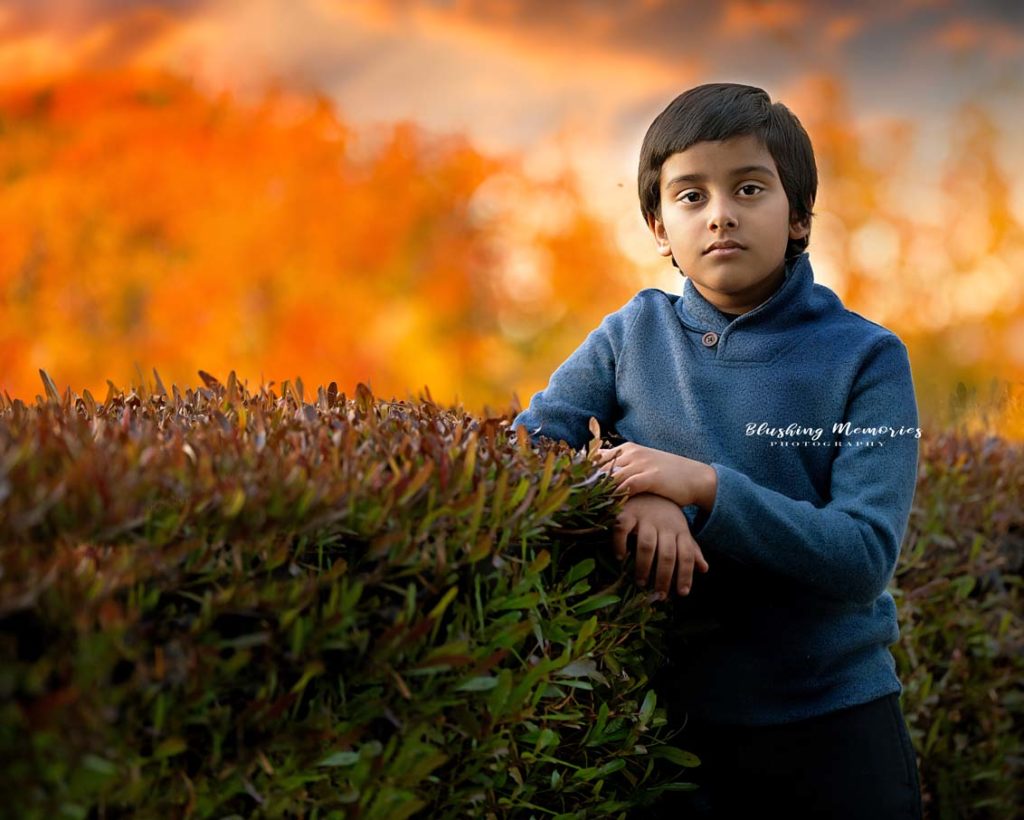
{"x": 854, "y": 764}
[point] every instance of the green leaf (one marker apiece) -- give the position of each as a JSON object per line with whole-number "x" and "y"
{"x": 546, "y": 738}
{"x": 234, "y": 505}
{"x": 520, "y": 492}
{"x": 100, "y": 767}
{"x": 170, "y": 747}
{"x": 677, "y": 756}
{"x": 586, "y": 631}
{"x": 540, "y": 563}
{"x": 581, "y": 570}
{"x": 526, "y": 601}
{"x": 678, "y": 787}
{"x": 612, "y": 766}
{"x": 596, "y": 602}
{"x": 594, "y": 772}
{"x": 483, "y": 683}
{"x": 442, "y": 605}
{"x": 647, "y": 708}
{"x": 596, "y": 733}
{"x": 582, "y": 668}
{"x": 340, "y": 759}
{"x": 499, "y": 694}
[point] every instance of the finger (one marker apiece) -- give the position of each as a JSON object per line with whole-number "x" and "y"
{"x": 646, "y": 544}
{"x": 666, "y": 563}
{"x": 617, "y": 469}
{"x": 684, "y": 576}
{"x": 623, "y": 527}
{"x": 702, "y": 563}
{"x": 635, "y": 484}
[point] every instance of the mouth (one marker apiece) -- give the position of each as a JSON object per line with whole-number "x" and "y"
{"x": 724, "y": 249}
{"x": 732, "y": 250}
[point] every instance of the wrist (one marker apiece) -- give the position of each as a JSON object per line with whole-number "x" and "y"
{"x": 708, "y": 488}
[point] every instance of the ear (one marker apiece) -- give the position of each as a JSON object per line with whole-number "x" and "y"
{"x": 660, "y": 235}
{"x": 798, "y": 229}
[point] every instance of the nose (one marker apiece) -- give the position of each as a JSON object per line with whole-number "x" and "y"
{"x": 721, "y": 217}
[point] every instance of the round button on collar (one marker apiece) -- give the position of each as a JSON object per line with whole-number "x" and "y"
{"x": 710, "y": 339}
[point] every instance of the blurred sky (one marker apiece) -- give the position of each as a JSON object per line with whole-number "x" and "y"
{"x": 575, "y": 79}
{"x": 579, "y": 81}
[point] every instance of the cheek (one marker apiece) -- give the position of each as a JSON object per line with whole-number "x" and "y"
{"x": 776, "y": 229}
{"x": 681, "y": 230}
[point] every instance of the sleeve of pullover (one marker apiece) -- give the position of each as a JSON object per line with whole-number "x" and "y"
{"x": 846, "y": 550}
{"x": 583, "y": 385}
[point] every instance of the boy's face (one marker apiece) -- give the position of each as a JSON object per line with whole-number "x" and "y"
{"x": 731, "y": 193}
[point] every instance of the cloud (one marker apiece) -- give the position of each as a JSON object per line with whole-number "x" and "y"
{"x": 842, "y": 28}
{"x": 21, "y": 18}
{"x": 40, "y": 37}
{"x": 649, "y": 44}
{"x": 961, "y": 36}
{"x": 510, "y": 72}
{"x": 743, "y": 18}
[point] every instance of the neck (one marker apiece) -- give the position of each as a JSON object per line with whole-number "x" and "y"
{"x": 748, "y": 300}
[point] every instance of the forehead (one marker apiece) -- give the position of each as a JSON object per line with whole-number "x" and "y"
{"x": 722, "y": 159}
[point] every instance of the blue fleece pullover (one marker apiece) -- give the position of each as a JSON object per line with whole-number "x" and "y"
{"x": 807, "y": 413}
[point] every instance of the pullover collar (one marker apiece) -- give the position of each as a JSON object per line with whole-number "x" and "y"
{"x": 787, "y": 305}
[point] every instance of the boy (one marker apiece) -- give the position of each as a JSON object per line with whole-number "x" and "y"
{"x": 774, "y": 431}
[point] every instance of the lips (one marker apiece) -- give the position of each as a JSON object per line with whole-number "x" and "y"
{"x": 726, "y": 245}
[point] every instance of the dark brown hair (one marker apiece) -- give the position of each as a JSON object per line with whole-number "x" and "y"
{"x": 717, "y": 111}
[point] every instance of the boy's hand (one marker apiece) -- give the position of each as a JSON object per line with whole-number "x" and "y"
{"x": 662, "y": 539}
{"x": 640, "y": 469}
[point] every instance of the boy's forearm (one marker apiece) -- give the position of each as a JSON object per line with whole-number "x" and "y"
{"x": 707, "y": 488}
{"x": 641, "y": 469}
{"x": 701, "y": 486}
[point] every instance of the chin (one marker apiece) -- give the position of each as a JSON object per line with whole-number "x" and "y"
{"x": 724, "y": 283}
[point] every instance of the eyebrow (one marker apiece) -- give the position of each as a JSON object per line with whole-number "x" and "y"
{"x": 746, "y": 169}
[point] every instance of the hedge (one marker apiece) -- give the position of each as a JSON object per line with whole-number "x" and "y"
{"x": 960, "y": 655}
{"x": 220, "y": 603}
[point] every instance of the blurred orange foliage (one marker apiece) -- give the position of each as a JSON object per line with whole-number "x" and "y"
{"x": 148, "y": 224}
{"x": 933, "y": 252}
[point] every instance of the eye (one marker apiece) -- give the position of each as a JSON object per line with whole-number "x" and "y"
{"x": 751, "y": 185}
{"x": 683, "y": 196}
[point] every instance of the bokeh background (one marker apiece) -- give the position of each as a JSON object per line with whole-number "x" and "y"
{"x": 442, "y": 195}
